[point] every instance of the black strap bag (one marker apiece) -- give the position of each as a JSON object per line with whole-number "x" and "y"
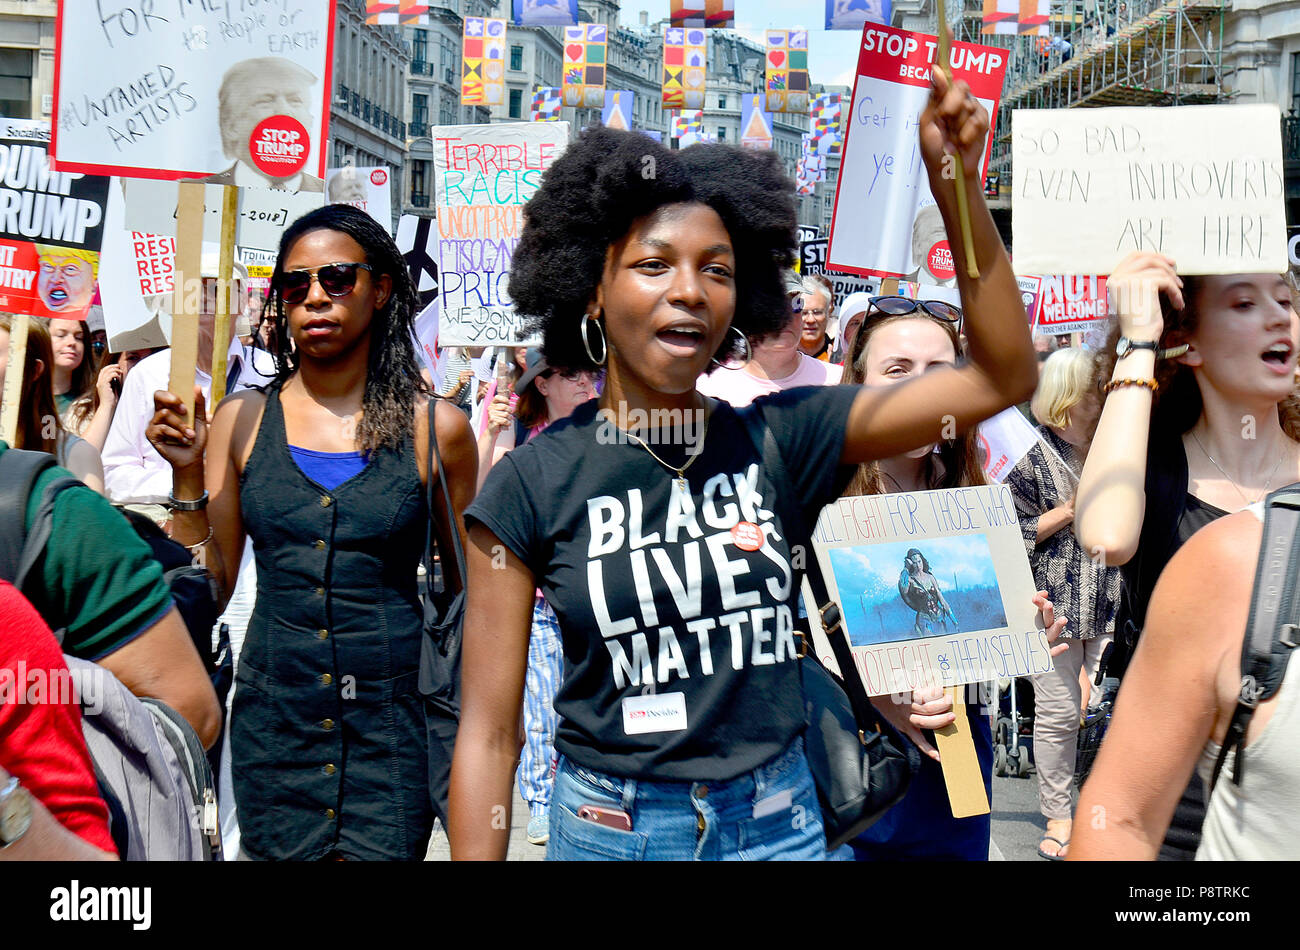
{"x": 860, "y": 764}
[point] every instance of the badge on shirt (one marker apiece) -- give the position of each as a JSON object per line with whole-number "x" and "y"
{"x": 654, "y": 712}
{"x": 747, "y": 536}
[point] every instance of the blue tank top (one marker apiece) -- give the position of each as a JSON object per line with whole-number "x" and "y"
{"x": 328, "y": 469}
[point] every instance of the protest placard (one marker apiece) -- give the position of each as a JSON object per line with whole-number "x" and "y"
{"x": 367, "y": 188}
{"x": 483, "y": 175}
{"x": 238, "y": 92}
{"x": 1122, "y": 180}
{"x": 812, "y": 260}
{"x": 934, "y": 588}
{"x": 854, "y": 14}
{"x": 51, "y": 227}
{"x": 1030, "y": 288}
{"x": 1004, "y": 440}
{"x": 263, "y": 213}
{"x": 885, "y": 220}
{"x": 1071, "y": 304}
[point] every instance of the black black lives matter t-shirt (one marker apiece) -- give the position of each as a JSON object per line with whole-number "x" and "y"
{"x": 679, "y": 645}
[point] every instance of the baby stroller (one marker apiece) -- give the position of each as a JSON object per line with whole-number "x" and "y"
{"x": 1013, "y": 736}
{"x": 1096, "y": 720}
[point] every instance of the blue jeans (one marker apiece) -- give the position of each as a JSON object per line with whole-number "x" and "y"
{"x": 768, "y": 814}
{"x": 545, "y": 669}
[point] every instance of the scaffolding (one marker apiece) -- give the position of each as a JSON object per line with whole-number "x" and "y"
{"x": 1107, "y": 53}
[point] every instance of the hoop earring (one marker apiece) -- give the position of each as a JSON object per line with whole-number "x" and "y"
{"x": 749, "y": 352}
{"x": 586, "y": 343}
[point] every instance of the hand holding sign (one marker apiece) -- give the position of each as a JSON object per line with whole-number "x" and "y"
{"x": 1135, "y": 287}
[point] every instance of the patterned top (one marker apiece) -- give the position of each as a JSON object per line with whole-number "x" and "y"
{"x": 1086, "y": 594}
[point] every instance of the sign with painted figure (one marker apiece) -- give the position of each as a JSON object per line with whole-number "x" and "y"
{"x": 484, "y": 174}
{"x": 934, "y": 588}
{"x": 51, "y": 227}
{"x": 544, "y": 12}
{"x": 583, "y": 80}
{"x": 707, "y": 13}
{"x": 1128, "y": 180}
{"x": 786, "y": 71}
{"x": 263, "y": 215}
{"x": 483, "y": 62}
{"x": 367, "y": 188}
{"x": 755, "y": 122}
{"x": 685, "y": 55}
{"x": 239, "y": 93}
{"x": 618, "y": 111}
{"x": 854, "y": 14}
{"x": 885, "y": 220}
{"x": 1071, "y": 304}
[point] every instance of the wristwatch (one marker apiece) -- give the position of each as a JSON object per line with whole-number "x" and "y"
{"x": 15, "y": 812}
{"x": 1125, "y": 346}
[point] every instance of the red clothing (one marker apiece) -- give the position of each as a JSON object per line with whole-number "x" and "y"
{"x": 41, "y": 742}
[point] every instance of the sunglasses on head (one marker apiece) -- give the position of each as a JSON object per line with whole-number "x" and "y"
{"x": 337, "y": 280}
{"x": 901, "y": 306}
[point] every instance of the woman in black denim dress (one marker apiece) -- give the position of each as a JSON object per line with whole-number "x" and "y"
{"x": 326, "y": 472}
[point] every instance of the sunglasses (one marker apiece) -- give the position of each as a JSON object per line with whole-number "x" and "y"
{"x": 573, "y": 375}
{"x": 337, "y": 280}
{"x": 900, "y": 306}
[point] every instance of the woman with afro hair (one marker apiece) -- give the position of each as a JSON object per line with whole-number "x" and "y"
{"x": 646, "y": 518}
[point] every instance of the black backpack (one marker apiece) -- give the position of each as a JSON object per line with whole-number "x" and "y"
{"x": 1273, "y": 630}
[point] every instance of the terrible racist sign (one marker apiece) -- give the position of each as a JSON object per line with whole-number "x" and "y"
{"x": 891, "y": 226}
{"x": 934, "y": 588}
{"x": 238, "y": 92}
{"x": 1123, "y": 180}
{"x": 51, "y": 227}
{"x": 1071, "y": 304}
{"x": 483, "y": 176}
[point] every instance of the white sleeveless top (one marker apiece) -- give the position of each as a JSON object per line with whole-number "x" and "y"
{"x": 1258, "y": 820}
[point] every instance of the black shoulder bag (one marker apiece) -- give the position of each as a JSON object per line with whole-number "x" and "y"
{"x": 444, "y": 612}
{"x": 1273, "y": 630}
{"x": 860, "y": 764}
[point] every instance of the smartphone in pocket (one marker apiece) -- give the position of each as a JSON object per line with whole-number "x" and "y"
{"x": 603, "y": 815}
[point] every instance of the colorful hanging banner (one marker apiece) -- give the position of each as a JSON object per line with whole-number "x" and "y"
{"x": 755, "y": 123}
{"x": 584, "y": 65}
{"x": 826, "y": 134}
{"x": 617, "y": 114}
{"x": 1016, "y": 16}
{"x": 483, "y": 75}
{"x": 546, "y": 104}
{"x": 544, "y": 12}
{"x": 688, "y": 123}
{"x": 389, "y": 13}
{"x": 685, "y": 51}
{"x": 852, "y": 14}
{"x": 787, "y": 71}
{"x": 706, "y": 13}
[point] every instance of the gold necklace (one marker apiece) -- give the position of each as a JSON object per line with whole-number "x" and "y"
{"x": 679, "y": 482}
{"x": 1267, "y": 485}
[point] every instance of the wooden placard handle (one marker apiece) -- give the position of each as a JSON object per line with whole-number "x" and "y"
{"x": 16, "y": 362}
{"x": 187, "y": 299}
{"x": 959, "y": 185}
{"x": 225, "y": 271}
{"x": 961, "y": 766}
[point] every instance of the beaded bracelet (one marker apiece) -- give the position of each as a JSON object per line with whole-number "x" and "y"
{"x": 198, "y": 544}
{"x": 1150, "y": 384}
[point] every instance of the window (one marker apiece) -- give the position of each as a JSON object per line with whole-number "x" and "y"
{"x": 722, "y": 133}
{"x": 419, "y": 51}
{"x": 419, "y": 114}
{"x": 516, "y": 58}
{"x": 419, "y": 190}
{"x": 722, "y": 102}
{"x": 1295, "y": 80}
{"x": 16, "y": 83}
{"x": 516, "y": 103}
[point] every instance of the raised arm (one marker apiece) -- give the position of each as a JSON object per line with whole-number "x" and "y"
{"x": 1111, "y": 501}
{"x": 1002, "y": 369}
{"x": 1170, "y": 703}
{"x": 498, "y": 436}
{"x": 498, "y": 620}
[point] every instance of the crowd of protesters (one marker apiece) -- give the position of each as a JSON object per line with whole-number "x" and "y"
{"x": 603, "y": 582}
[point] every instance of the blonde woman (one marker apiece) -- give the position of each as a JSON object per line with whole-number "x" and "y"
{"x": 1044, "y": 485}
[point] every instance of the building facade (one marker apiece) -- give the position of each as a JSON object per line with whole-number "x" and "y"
{"x": 368, "y": 111}
{"x": 27, "y": 59}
